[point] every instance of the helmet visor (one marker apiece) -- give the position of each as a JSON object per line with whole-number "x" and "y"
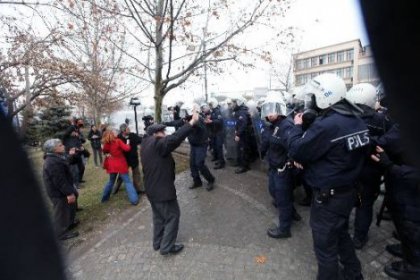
{"x": 271, "y": 108}
{"x": 310, "y": 101}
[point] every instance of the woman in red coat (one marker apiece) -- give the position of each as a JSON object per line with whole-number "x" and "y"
{"x": 115, "y": 164}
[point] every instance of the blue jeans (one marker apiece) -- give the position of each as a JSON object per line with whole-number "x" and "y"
{"x": 129, "y": 187}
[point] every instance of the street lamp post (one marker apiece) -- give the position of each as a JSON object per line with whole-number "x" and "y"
{"x": 134, "y": 101}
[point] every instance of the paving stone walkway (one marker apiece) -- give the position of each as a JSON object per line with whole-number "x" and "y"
{"x": 224, "y": 233}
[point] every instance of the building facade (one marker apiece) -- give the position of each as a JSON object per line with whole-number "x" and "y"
{"x": 349, "y": 60}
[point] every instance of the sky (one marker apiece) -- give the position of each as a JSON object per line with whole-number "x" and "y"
{"x": 320, "y": 23}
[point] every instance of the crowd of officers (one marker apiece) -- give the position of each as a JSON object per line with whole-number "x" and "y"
{"x": 340, "y": 145}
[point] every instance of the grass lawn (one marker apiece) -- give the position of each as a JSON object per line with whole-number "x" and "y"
{"x": 95, "y": 214}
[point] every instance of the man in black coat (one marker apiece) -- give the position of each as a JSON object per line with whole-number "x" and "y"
{"x": 60, "y": 188}
{"x": 159, "y": 176}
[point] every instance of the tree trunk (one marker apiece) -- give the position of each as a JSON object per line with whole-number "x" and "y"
{"x": 159, "y": 90}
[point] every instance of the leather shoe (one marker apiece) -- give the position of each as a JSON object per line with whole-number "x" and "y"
{"x": 79, "y": 209}
{"x": 306, "y": 201}
{"x": 277, "y": 233}
{"x": 174, "y": 250}
{"x": 394, "y": 249}
{"x": 210, "y": 186}
{"x": 402, "y": 270}
{"x": 69, "y": 235}
{"x": 359, "y": 243}
{"x": 241, "y": 170}
{"x": 156, "y": 247}
{"x": 196, "y": 185}
{"x": 296, "y": 217}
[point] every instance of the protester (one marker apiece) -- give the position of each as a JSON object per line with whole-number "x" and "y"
{"x": 159, "y": 176}
{"x": 60, "y": 188}
{"x": 116, "y": 165}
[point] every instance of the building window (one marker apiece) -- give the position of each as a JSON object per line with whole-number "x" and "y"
{"x": 350, "y": 55}
{"x": 348, "y": 72}
{"x": 340, "y": 72}
{"x": 299, "y": 64}
{"x": 367, "y": 72}
{"x": 314, "y": 61}
{"x": 322, "y": 59}
{"x": 331, "y": 58}
{"x": 340, "y": 56}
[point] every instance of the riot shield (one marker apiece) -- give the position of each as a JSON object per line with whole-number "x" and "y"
{"x": 230, "y": 144}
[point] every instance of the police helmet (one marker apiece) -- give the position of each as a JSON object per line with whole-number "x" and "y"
{"x": 324, "y": 91}
{"x": 187, "y": 109}
{"x": 363, "y": 93}
{"x": 205, "y": 108}
{"x": 238, "y": 100}
{"x": 213, "y": 102}
{"x": 148, "y": 112}
{"x": 273, "y": 105}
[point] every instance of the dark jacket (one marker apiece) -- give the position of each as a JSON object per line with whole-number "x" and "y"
{"x": 159, "y": 165}
{"x": 243, "y": 121}
{"x": 132, "y": 156}
{"x": 57, "y": 176}
{"x": 332, "y": 149}
{"x": 274, "y": 145}
{"x": 95, "y": 142}
{"x": 199, "y": 135}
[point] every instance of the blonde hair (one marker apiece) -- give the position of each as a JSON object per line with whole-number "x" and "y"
{"x": 108, "y": 137}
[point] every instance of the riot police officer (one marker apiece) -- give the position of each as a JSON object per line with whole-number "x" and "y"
{"x": 332, "y": 152}
{"x": 274, "y": 148}
{"x": 242, "y": 129}
{"x": 364, "y": 95}
{"x": 198, "y": 140}
{"x": 216, "y": 123}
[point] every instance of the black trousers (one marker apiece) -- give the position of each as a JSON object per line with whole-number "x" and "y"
{"x": 332, "y": 243}
{"x": 165, "y": 224}
{"x": 62, "y": 214}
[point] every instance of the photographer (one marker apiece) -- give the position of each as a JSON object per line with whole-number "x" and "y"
{"x": 94, "y": 137}
{"x": 72, "y": 139}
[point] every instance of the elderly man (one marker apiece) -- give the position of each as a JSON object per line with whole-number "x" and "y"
{"x": 159, "y": 176}
{"x": 60, "y": 188}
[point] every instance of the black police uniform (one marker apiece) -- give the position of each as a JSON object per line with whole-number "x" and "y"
{"x": 370, "y": 178}
{"x": 274, "y": 147}
{"x": 198, "y": 140}
{"x": 332, "y": 153}
{"x": 217, "y": 135}
{"x": 242, "y": 128}
{"x": 402, "y": 184}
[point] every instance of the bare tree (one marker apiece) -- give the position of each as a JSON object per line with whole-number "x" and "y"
{"x": 179, "y": 37}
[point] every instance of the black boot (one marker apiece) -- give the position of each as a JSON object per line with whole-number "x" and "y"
{"x": 277, "y": 233}
{"x": 196, "y": 185}
{"x": 402, "y": 270}
{"x": 219, "y": 165}
{"x": 359, "y": 243}
{"x": 395, "y": 249}
{"x": 241, "y": 170}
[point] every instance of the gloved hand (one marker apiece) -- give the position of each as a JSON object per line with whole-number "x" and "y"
{"x": 382, "y": 158}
